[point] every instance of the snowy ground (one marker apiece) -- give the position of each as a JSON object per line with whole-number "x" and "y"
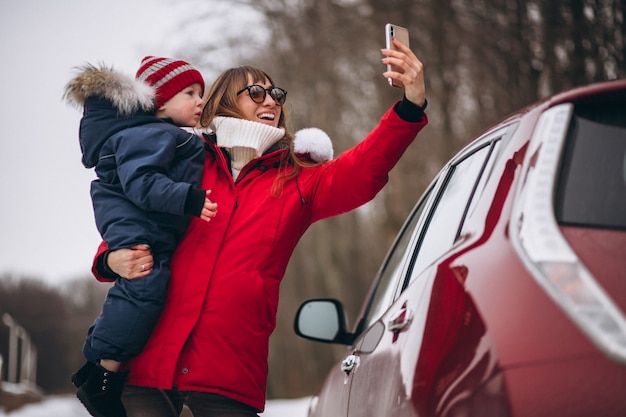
{"x": 69, "y": 406}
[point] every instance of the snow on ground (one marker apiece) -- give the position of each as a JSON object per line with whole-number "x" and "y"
{"x": 69, "y": 406}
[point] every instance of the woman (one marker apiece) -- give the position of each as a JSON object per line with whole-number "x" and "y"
{"x": 210, "y": 346}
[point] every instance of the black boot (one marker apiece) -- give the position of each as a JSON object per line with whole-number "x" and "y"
{"x": 101, "y": 394}
{"x": 79, "y": 377}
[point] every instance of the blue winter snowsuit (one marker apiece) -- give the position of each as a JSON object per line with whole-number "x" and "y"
{"x": 147, "y": 171}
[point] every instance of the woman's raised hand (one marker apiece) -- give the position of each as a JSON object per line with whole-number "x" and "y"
{"x": 412, "y": 76}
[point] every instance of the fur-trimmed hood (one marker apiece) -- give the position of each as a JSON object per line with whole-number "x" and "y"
{"x": 111, "y": 102}
{"x": 125, "y": 93}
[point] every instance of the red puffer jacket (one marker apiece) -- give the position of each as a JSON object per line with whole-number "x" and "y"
{"x": 221, "y": 307}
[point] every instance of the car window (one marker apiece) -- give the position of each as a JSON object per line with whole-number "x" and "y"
{"x": 480, "y": 186}
{"x": 591, "y": 191}
{"x": 394, "y": 266}
{"x": 447, "y": 214}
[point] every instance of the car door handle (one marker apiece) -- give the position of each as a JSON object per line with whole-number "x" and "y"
{"x": 349, "y": 363}
{"x": 400, "y": 320}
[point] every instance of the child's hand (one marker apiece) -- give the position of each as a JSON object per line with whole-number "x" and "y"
{"x": 209, "y": 210}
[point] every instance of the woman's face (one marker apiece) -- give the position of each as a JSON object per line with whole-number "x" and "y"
{"x": 266, "y": 112}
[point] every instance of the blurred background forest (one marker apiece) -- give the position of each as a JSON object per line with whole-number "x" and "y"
{"x": 483, "y": 59}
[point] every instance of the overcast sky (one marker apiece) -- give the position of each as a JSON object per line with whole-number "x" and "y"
{"x": 47, "y": 229}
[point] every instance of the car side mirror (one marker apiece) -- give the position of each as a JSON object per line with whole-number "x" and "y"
{"x": 322, "y": 320}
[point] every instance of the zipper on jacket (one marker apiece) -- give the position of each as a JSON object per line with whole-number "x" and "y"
{"x": 257, "y": 165}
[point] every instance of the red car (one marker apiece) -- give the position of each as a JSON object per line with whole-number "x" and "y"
{"x": 504, "y": 293}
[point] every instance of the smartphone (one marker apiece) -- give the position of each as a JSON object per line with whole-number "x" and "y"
{"x": 399, "y": 33}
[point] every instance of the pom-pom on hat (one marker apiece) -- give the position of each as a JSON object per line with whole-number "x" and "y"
{"x": 168, "y": 76}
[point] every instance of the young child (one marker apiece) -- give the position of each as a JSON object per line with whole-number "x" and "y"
{"x": 148, "y": 178}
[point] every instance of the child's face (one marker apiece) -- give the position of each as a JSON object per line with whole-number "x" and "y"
{"x": 185, "y": 108}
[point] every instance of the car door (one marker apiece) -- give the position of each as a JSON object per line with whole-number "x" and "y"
{"x": 386, "y": 354}
{"x": 333, "y": 399}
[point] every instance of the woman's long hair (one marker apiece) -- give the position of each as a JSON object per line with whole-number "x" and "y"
{"x": 221, "y": 100}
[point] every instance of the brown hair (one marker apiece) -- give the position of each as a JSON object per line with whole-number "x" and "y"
{"x": 221, "y": 100}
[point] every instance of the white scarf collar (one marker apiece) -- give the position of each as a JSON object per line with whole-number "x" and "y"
{"x": 312, "y": 141}
{"x": 232, "y": 132}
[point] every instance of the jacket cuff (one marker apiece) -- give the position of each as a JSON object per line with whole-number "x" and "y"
{"x": 195, "y": 202}
{"x": 102, "y": 267}
{"x": 409, "y": 111}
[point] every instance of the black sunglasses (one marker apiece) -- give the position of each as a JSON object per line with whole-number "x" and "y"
{"x": 257, "y": 93}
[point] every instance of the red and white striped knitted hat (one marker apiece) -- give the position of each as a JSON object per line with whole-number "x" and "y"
{"x": 168, "y": 76}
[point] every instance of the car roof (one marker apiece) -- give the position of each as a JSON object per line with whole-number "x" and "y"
{"x": 596, "y": 92}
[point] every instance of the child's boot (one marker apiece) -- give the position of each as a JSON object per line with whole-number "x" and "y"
{"x": 101, "y": 394}
{"x": 79, "y": 377}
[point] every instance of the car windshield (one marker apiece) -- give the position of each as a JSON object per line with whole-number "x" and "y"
{"x": 591, "y": 191}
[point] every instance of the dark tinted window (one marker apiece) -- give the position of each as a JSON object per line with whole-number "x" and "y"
{"x": 591, "y": 190}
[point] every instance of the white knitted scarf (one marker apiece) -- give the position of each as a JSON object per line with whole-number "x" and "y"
{"x": 244, "y": 139}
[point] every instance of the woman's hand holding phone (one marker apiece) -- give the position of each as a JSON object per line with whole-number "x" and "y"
{"x": 404, "y": 70}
